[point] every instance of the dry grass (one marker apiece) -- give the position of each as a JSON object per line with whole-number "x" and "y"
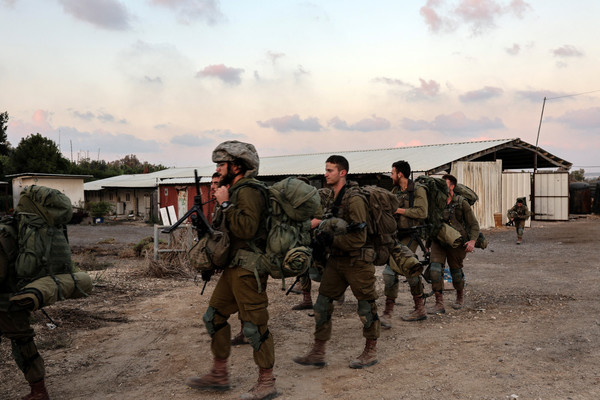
{"x": 174, "y": 264}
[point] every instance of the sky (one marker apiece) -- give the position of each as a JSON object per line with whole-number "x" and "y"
{"x": 168, "y": 80}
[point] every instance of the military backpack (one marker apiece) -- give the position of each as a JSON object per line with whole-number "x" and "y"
{"x": 437, "y": 196}
{"x": 381, "y": 223}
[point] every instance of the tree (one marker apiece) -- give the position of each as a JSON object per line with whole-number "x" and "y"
{"x": 4, "y": 143}
{"x": 35, "y": 153}
{"x": 578, "y": 175}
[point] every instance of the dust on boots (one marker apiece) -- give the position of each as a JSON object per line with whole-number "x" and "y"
{"x": 216, "y": 379}
{"x": 368, "y": 356}
{"x": 315, "y": 357}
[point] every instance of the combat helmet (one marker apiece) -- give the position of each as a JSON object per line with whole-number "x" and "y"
{"x": 232, "y": 150}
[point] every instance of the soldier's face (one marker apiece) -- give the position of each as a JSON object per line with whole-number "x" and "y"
{"x": 214, "y": 184}
{"x": 333, "y": 174}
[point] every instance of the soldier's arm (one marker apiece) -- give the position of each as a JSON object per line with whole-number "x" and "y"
{"x": 244, "y": 217}
{"x": 357, "y": 213}
{"x": 419, "y": 208}
{"x": 471, "y": 223}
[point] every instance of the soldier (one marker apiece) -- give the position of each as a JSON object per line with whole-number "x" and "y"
{"x": 518, "y": 214}
{"x": 243, "y": 209}
{"x": 412, "y": 212}
{"x": 14, "y": 325}
{"x": 459, "y": 215}
{"x": 350, "y": 263}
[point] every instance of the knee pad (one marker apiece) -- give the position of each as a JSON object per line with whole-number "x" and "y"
{"x": 209, "y": 321}
{"x": 435, "y": 272}
{"x": 366, "y": 314}
{"x": 322, "y": 309}
{"x": 520, "y": 231}
{"x": 414, "y": 281}
{"x": 457, "y": 275}
{"x": 252, "y": 333}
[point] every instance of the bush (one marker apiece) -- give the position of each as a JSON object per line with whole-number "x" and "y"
{"x": 100, "y": 208}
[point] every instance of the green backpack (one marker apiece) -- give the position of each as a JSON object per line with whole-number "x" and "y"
{"x": 467, "y": 193}
{"x": 292, "y": 204}
{"x": 437, "y": 195}
{"x": 381, "y": 222}
{"x": 42, "y": 215}
{"x": 8, "y": 246}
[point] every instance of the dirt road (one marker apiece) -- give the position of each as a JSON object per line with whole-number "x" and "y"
{"x": 530, "y": 330}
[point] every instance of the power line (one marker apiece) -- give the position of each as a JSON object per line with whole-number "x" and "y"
{"x": 572, "y": 95}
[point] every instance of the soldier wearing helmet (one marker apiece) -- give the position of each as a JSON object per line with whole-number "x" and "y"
{"x": 243, "y": 211}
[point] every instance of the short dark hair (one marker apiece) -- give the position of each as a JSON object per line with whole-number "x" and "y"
{"x": 340, "y": 161}
{"x": 451, "y": 178}
{"x": 216, "y": 175}
{"x": 402, "y": 166}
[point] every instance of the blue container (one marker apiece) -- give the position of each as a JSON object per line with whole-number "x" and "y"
{"x": 98, "y": 220}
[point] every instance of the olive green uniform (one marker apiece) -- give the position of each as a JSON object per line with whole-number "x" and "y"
{"x": 237, "y": 289}
{"x": 350, "y": 264}
{"x": 460, "y": 216}
{"x": 15, "y": 326}
{"x": 414, "y": 215}
{"x": 519, "y": 215}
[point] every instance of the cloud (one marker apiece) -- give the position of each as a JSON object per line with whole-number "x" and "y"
{"x": 226, "y": 74}
{"x": 155, "y": 80}
{"x": 585, "y": 119}
{"x": 514, "y": 50}
{"x": 364, "y": 125}
{"x": 453, "y": 123}
{"x": 567, "y": 51}
{"x": 274, "y": 57}
{"x": 410, "y": 143}
{"x": 39, "y": 123}
{"x": 189, "y": 11}
{"x": 102, "y": 116}
{"x": 486, "y": 93}
{"x": 427, "y": 89}
{"x": 105, "y": 14}
{"x": 205, "y": 138}
{"x": 290, "y": 123}
{"x": 391, "y": 81}
{"x": 151, "y": 63}
{"x": 9, "y": 3}
{"x": 107, "y": 142}
{"x": 478, "y": 15}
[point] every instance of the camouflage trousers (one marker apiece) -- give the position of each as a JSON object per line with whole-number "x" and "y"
{"x": 519, "y": 227}
{"x": 237, "y": 291}
{"x": 341, "y": 272}
{"x": 15, "y": 326}
{"x": 454, "y": 257}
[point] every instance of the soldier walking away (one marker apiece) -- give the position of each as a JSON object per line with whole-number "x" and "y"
{"x": 412, "y": 212}
{"x": 243, "y": 208}
{"x": 518, "y": 214}
{"x": 459, "y": 215}
{"x": 350, "y": 263}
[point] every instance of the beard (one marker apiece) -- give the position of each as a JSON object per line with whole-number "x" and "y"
{"x": 227, "y": 179}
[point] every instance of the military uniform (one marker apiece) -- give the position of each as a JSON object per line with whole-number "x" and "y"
{"x": 350, "y": 263}
{"x": 460, "y": 216}
{"x": 240, "y": 288}
{"x": 414, "y": 215}
{"x": 519, "y": 215}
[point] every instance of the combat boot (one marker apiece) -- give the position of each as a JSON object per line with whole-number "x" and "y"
{"x": 216, "y": 379}
{"x": 316, "y": 355}
{"x": 419, "y": 313}
{"x": 438, "y": 308}
{"x": 38, "y": 391}
{"x": 239, "y": 338}
{"x": 306, "y": 303}
{"x": 460, "y": 299}
{"x": 264, "y": 388}
{"x": 519, "y": 240}
{"x": 386, "y": 317}
{"x": 368, "y": 356}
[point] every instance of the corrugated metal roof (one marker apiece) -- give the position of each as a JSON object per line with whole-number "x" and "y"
{"x": 429, "y": 158}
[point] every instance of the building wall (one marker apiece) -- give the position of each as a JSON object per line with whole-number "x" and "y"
{"x": 71, "y": 187}
{"x": 181, "y": 197}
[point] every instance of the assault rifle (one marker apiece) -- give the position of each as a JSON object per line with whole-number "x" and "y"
{"x": 416, "y": 234}
{"x": 199, "y": 223}
{"x": 511, "y": 222}
{"x": 319, "y": 249}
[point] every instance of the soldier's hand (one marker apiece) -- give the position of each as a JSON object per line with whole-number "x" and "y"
{"x": 470, "y": 246}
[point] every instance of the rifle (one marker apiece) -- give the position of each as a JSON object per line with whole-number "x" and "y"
{"x": 199, "y": 223}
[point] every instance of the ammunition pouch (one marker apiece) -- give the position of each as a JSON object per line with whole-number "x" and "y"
{"x": 210, "y": 252}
